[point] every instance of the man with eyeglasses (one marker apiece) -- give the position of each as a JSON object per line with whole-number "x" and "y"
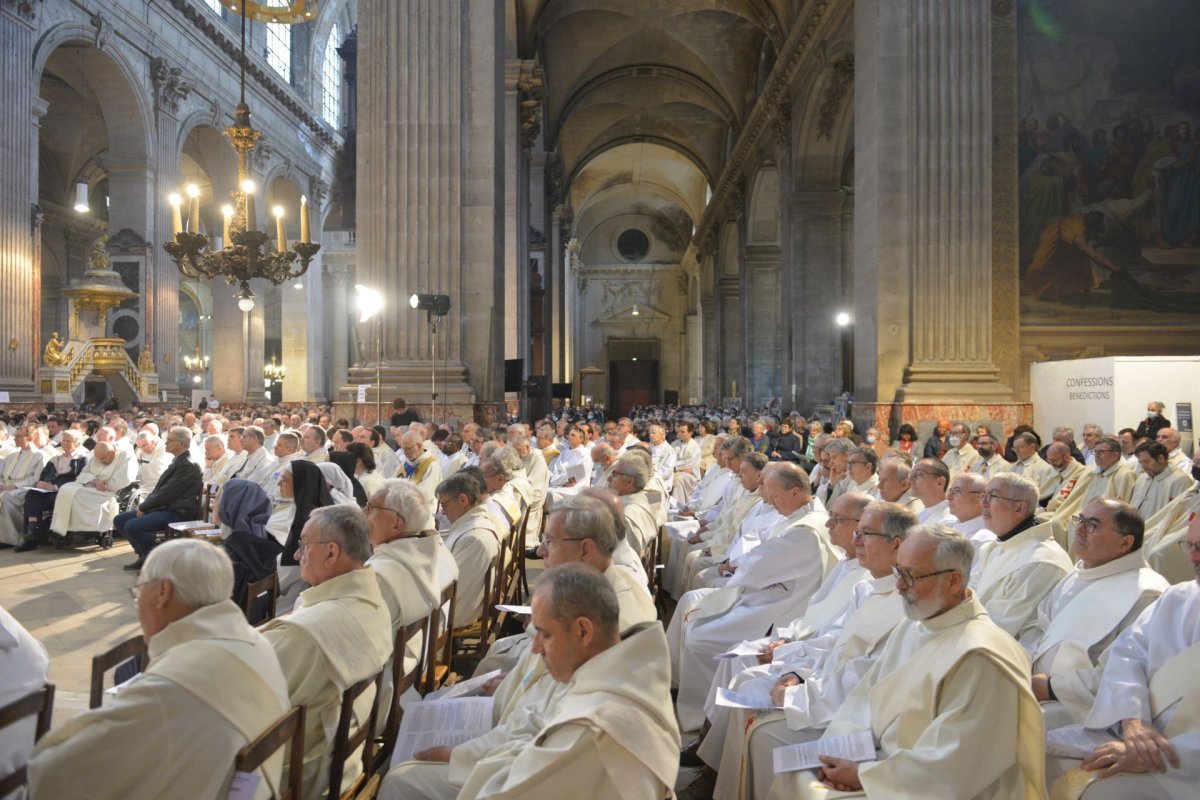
{"x": 1024, "y": 563}
{"x": 1148, "y": 698}
{"x": 1111, "y": 478}
{"x": 990, "y": 461}
{"x": 861, "y": 475}
{"x": 212, "y": 686}
{"x": 628, "y": 480}
{"x": 810, "y": 679}
{"x": 1159, "y": 483}
{"x": 1082, "y": 616}
{"x": 929, "y": 480}
{"x": 965, "y": 501}
{"x": 895, "y": 484}
{"x": 775, "y": 581}
{"x": 1033, "y": 466}
{"x": 750, "y": 475}
{"x": 1165, "y": 531}
{"x": 947, "y": 700}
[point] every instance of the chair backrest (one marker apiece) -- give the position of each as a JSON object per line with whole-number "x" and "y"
{"x": 440, "y": 638}
{"x": 289, "y": 728}
{"x": 401, "y": 682}
{"x": 345, "y": 740}
{"x": 134, "y": 648}
{"x": 40, "y": 702}
{"x": 268, "y": 587}
{"x": 649, "y": 562}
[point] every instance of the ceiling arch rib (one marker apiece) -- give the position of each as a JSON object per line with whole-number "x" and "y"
{"x": 659, "y": 141}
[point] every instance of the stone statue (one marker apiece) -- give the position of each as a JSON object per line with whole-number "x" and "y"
{"x": 55, "y": 354}
{"x": 98, "y": 259}
{"x": 145, "y": 361}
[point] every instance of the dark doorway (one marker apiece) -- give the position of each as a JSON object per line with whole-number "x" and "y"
{"x": 632, "y": 382}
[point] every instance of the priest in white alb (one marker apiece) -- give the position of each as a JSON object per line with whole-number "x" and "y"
{"x": 1078, "y": 621}
{"x": 1159, "y": 483}
{"x": 947, "y": 703}
{"x": 19, "y": 471}
{"x": 89, "y": 503}
{"x": 930, "y": 479}
{"x": 687, "y": 462}
{"x": 629, "y": 479}
{"x": 1110, "y": 477}
{"x": 338, "y": 634}
{"x": 212, "y": 686}
{"x": 474, "y": 541}
{"x": 420, "y": 466}
{"x": 1165, "y": 532}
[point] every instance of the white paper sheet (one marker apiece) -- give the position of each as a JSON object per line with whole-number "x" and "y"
{"x": 516, "y": 609}
{"x": 853, "y": 746}
{"x": 442, "y": 723}
{"x": 243, "y": 786}
{"x": 1075, "y": 741}
{"x": 739, "y": 650}
{"x": 463, "y": 688}
{"x": 736, "y": 700}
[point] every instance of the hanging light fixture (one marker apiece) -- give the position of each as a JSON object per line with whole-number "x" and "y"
{"x": 246, "y": 253}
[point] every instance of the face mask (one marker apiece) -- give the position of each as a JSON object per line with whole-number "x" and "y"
{"x": 955, "y": 441}
{"x": 1151, "y": 414}
{"x": 870, "y": 440}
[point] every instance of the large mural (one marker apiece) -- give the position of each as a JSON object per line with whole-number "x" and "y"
{"x": 1109, "y": 157}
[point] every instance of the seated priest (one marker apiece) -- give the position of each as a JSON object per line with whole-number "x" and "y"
{"x": 152, "y": 462}
{"x": 714, "y": 542}
{"x": 629, "y": 479}
{"x": 1032, "y": 465}
{"x": 174, "y": 498}
{"x": 579, "y": 530}
{"x": 213, "y": 685}
{"x": 1066, "y": 477}
{"x": 1081, "y": 617}
{"x": 25, "y": 666}
{"x": 1110, "y": 477}
{"x": 503, "y": 502}
{"x": 1024, "y": 563}
{"x": 338, "y": 634}
{"x": 608, "y": 736}
{"x": 810, "y": 679}
{"x": 930, "y": 479}
{"x": 420, "y": 467}
{"x": 60, "y": 470}
{"x": 947, "y": 702}
{"x": 260, "y": 464}
{"x": 965, "y": 502}
{"x": 89, "y": 503}
{"x": 1165, "y": 532}
{"x": 895, "y": 483}
{"x": 774, "y": 582}
{"x": 19, "y": 471}
{"x": 220, "y": 463}
{"x": 1160, "y": 481}
{"x": 1147, "y": 703}
{"x": 474, "y": 542}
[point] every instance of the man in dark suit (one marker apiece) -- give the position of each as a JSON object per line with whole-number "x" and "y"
{"x": 173, "y": 499}
{"x": 1153, "y": 423}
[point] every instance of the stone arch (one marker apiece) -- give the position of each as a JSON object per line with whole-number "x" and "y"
{"x": 762, "y": 217}
{"x": 824, "y": 109}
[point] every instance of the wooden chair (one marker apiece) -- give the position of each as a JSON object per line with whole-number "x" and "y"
{"x": 439, "y": 641}
{"x": 268, "y": 587}
{"x": 345, "y": 741}
{"x": 188, "y": 528}
{"x": 649, "y": 562}
{"x": 471, "y": 641}
{"x": 40, "y": 702}
{"x": 520, "y": 589}
{"x": 134, "y": 648}
{"x": 289, "y": 728}
{"x": 401, "y": 682}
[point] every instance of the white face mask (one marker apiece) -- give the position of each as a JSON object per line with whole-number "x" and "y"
{"x": 1151, "y": 414}
{"x": 870, "y": 440}
{"x": 955, "y": 441}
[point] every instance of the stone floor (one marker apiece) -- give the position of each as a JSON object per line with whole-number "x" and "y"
{"x": 77, "y": 603}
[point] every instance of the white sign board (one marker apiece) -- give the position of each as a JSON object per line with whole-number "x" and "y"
{"x": 4, "y": 397}
{"x": 1111, "y": 392}
{"x": 362, "y": 392}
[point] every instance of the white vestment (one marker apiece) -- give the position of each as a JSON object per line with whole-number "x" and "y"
{"x": 991, "y": 467}
{"x": 1038, "y": 470}
{"x": 85, "y": 508}
{"x": 474, "y": 541}
{"x": 662, "y": 458}
{"x": 936, "y": 515}
{"x": 259, "y": 468}
{"x": 640, "y": 525}
{"x": 687, "y": 470}
{"x": 25, "y": 667}
{"x": 962, "y": 459}
{"x": 1064, "y": 483}
{"x": 1016, "y": 573}
{"x": 1164, "y": 531}
{"x": 1151, "y": 495}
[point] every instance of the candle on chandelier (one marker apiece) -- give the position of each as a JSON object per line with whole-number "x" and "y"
{"x": 176, "y": 215}
{"x": 304, "y": 231}
{"x": 251, "y": 216}
{"x": 279, "y": 232}
{"x": 193, "y": 193}
{"x": 227, "y": 220}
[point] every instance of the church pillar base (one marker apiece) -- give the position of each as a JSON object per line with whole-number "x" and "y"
{"x": 888, "y": 417}
{"x": 415, "y": 382}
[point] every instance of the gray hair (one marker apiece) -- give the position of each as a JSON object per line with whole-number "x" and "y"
{"x": 292, "y": 440}
{"x": 459, "y": 483}
{"x": 897, "y": 520}
{"x": 347, "y": 526}
{"x": 589, "y": 518}
{"x": 839, "y": 445}
{"x": 977, "y": 482}
{"x": 144, "y": 436}
{"x": 406, "y": 500}
{"x": 182, "y": 435}
{"x": 1066, "y": 431}
{"x": 954, "y": 551}
{"x": 504, "y": 461}
{"x": 219, "y": 438}
{"x": 738, "y": 445}
{"x": 201, "y": 574}
{"x": 1091, "y": 426}
{"x": 254, "y": 432}
{"x": 578, "y": 590}
{"x": 518, "y": 438}
{"x": 899, "y": 467}
{"x": 639, "y": 469}
{"x": 74, "y": 435}
{"x": 604, "y": 449}
{"x": 1019, "y": 489}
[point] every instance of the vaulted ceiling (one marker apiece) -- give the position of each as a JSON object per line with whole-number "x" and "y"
{"x": 645, "y": 98}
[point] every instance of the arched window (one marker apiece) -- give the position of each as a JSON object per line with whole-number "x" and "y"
{"x": 279, "y": 44}
{"x": 215, "y": 5}
{"x": 331, "y": 79}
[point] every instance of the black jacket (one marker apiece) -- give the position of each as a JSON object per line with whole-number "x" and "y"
{"x": 1149, "y": 428}
{"x": 178, "y": 488}
{"x": 50, "y": 474}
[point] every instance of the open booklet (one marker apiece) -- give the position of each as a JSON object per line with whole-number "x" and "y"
{"x": 441, "y": 723}
{"x": 1075, "y": 741}
{"x": 806, "y": 755}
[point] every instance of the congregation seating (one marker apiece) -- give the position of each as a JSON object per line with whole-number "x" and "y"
{"x": 346, "y": 741}
{"x": 39, "y": 702}
{"x": 440, "y": 642}
{"x": 289, "y": 732}
{"x": 134, "y": 649}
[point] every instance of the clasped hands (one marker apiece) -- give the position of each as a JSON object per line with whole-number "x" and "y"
{"x": 1143, "y": 749}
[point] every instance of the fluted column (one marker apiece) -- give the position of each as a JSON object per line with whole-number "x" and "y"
{"x": 337, "y": 309}
{"x": 162, "y": 281}
{"x": 20, "y": 345}
{"x": 818, "y": 293}
{"x": 923, "y": 169}
{"x": 430, "y": 219}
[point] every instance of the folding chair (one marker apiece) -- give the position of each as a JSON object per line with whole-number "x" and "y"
{"x": 264, "y": 590}
{"x": 345, "y": 740}
{"x": 289, "y": 728}
{"x": 439, "y": 641}
{"x": 40, "y": 702}
{"x": 471, "y": 641}
{"x": 134, "y": 648}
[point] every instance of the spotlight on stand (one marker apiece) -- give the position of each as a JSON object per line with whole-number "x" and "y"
{"x": 438, "y": 305}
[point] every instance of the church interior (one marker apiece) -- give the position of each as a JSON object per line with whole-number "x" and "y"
{"x": 890, "y": 219}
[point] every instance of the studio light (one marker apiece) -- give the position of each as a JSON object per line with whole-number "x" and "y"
{"x": 438, "y": 305}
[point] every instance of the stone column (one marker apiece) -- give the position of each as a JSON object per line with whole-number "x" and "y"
{"x": 729, "y": 334}
{"x": 20, "y": 343}
{"x": 818, "y": 292}
{"x": 161, "y": 310}
{"x": 430, "y": 134}
{"x": 923, "y": 187}
{"x": 338, "y": 312}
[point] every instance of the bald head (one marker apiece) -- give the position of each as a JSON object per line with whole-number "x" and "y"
{"x": 1058, "y": 454}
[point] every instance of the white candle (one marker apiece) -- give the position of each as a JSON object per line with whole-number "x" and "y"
{"x": 304, "y": 229}
{"x": 193, "y": 193}
{"x": 176, "y": 215}
{"x": 227, "y": 220}
{"x": 279, "y": 232}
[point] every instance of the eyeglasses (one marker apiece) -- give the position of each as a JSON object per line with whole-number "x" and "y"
{"x": 300, "y": 548}
{"x": 547, "y": 540}
{"x": 907, "y": 576}
{"x": 957, "y": 492}
{"x": 368, "y": 508}
{"x": 1189, "y": 547}
{"x": 1089, "y": 525}
{"x": 861, "y": 534}
{"x": 136, "y": 590}
{"x": 992, "y": 497}
{"x": 856, "y": 462}
{"x": 836, "y": 520}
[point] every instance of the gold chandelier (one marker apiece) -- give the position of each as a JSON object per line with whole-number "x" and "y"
{"x": 246, "y": 252}
{"x": 279, "y": 11}
{"x": 273, "y": 372}
{"x": 195, "y": 366}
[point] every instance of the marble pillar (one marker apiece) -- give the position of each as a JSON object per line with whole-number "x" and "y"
{"x": 338, "y": 311}
{"x": 923, "y": 193}
{"x": 431, "y": 217}
{"x": 161, "y": 310}
{"x": 762, "y": 300}
{"x": 20, "y": 345}
{"x": 731, "y": 379}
